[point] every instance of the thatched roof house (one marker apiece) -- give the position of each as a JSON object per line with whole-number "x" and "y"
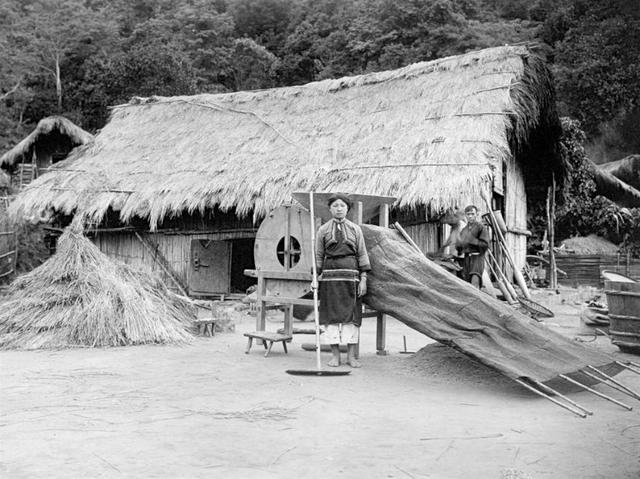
{"x": 433, "y": 134}
{"x": 614, "y": 188}
{"x": 51, "y": 141}
{"x": 627, "y": 169}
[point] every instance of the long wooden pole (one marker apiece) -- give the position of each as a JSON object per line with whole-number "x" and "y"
{"x": 553, "y": 400}
{"x": 551, "y": 213}
{"x": 597, "y": 393}
{"x": 507, "y": 284}
{"x": 408, "y": 238}
{"x": 501, "y": 286}
{"x": 314, "y": 283}
{"x": 517, "y": 274}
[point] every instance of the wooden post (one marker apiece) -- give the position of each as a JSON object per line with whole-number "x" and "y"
{"x": 287, "y": 239}
{"x": 357, "y": 212}
{"x": 381, "y": 319}
{"x": 261, "y": 316}
{"x": 551, "y": 214}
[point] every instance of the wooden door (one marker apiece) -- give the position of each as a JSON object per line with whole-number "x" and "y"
{"x": 210, "y": 267}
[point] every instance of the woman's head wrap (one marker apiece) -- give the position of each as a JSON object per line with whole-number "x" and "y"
{"x": 339, "y": 196}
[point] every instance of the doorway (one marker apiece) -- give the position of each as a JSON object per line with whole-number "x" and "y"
{"x": 241, "y": 259}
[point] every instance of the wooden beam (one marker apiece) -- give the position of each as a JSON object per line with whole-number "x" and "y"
{"x": 284, "y": 301}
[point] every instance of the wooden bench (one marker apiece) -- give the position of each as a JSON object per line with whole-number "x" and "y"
{"x": 267, "y": 340}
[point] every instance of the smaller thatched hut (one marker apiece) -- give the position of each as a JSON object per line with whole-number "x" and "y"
{"x": 52, "y": 140}
{"x": 81, "y": 298}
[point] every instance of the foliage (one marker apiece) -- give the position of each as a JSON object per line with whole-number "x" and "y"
{"x": 580, "y": 211}
{"x": 78, "y": 57}
{"x": 597, "y": 64}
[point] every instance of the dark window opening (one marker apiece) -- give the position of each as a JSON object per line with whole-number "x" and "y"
{"x": 293, "y": 254}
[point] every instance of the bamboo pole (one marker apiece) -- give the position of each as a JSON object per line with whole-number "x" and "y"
{"x": 570, "y": 401}
{"x": 406, "y": 236}
{"x": 501, "y": 286}
{"x": 507, "y": 283}
{"x": 627, "y": 366}
{"x": 551, "y": 217}
{"x": 553, "y": 400}
{"x": 517, "y": 274}
{"x": 621, "y": 387}
{"x": 597, "y": 393}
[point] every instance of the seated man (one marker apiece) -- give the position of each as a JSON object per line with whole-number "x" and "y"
{"x": 472, "y": 243}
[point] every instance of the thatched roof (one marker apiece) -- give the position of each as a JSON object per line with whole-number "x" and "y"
{"x": 45, "y": 127}
{"x": 454, "y": 119}
{"x": 627, "y": 169}
{"x": 615, "y": 189}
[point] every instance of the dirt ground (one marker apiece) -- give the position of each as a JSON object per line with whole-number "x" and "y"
{"x": 209, "y": 410}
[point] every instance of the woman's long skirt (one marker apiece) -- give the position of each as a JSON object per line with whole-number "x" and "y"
{"x": 338, "y": 291}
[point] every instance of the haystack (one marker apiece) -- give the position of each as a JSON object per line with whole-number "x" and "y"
{"x": 81, "y": 298}
{"x": 591, "y": 244}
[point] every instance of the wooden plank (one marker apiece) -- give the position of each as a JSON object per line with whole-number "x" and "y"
{"x": 278, "y": 299}
{"x": 271, "y": 274}
{"x": 7, "y": 254}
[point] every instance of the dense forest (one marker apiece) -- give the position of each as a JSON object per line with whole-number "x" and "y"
{"x": 78, "y": 57}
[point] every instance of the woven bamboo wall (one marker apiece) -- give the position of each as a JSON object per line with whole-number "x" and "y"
{"x": 175, "y": 248}
{"x": 426, "y": 236}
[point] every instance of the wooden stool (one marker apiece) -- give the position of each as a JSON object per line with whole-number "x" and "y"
{"x": 267, "y": 340}
{"x": 206, "y": 325}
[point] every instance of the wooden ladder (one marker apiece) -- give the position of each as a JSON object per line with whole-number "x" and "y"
{"x": 27, "y": 172}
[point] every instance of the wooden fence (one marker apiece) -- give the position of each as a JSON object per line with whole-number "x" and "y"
{"x": 7, "y": 253}
{"x": 585, "y": 270}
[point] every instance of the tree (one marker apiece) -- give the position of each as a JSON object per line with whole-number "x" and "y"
{"x": 253, "y": 66}
{"x": 145, "y": 70}
{"x": 48, "y": 32}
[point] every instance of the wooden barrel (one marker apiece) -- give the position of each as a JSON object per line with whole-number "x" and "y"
{"x": 624, "y": 312}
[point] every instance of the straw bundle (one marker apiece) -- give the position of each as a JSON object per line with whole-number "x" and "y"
{"x": 80, "y": 297}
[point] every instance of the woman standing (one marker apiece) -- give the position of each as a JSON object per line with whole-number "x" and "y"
{"x": 342, "y": 258}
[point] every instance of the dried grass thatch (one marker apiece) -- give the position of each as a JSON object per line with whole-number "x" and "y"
{"x": 45, "y": 127}
{"x": 429, "y": 134}
{"x": 592, "y": 244}
{"x": 79, "y": 297}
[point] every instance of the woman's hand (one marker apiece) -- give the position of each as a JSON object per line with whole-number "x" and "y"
{"x": 362, "y": 287}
